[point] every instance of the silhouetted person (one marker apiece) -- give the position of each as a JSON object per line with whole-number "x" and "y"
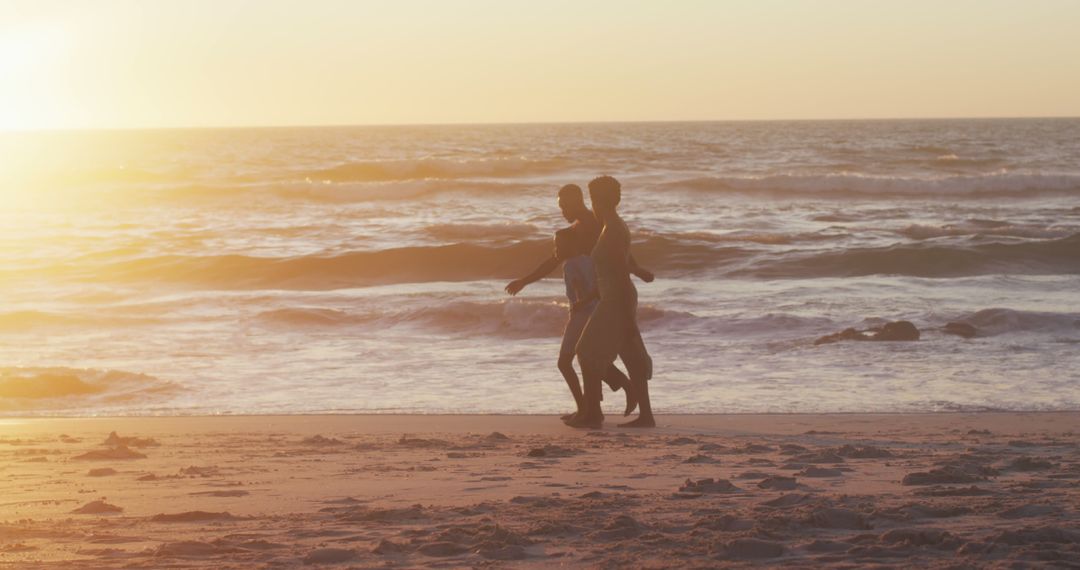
{"x": 580, "y": 277}
{"x": 572, "y": 205}
{"x": 612, "y": 329}
{"x": 587, "y": 227}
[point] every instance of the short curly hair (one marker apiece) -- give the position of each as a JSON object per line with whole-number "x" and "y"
{"x": 606, "y": 188}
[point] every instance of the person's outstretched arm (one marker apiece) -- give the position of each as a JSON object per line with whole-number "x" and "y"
{"x": 642, "y": 273}
{"x": 539, "y": 273}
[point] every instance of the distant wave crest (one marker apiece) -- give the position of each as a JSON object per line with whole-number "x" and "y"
{"x": 995, "y": 185}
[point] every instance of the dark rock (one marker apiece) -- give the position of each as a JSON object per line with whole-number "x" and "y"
{"x": 893, "y": 331}
{"x": 897, "y": 331}
{"x": 960, "y": 329}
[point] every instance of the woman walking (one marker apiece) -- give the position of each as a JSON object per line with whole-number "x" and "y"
{"x": 612, "y": 329}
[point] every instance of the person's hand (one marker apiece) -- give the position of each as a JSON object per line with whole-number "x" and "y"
{"x": 646, "y": 275}
{"x": 515, "y": 287}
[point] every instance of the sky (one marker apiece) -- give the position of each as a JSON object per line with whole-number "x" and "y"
{"x": 219, "y": 63}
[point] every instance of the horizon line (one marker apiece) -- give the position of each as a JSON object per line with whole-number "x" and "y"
{"x": 521, "y": 123}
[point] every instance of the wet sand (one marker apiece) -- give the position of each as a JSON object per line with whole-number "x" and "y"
{"x": 702, "y": 491}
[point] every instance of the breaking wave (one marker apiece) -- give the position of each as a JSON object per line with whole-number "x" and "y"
{"x": 996, "y": 321}
{"x": 1045, "y": 257}
{"x": 996, "y": 185}
{"x": 43, "y": 389}
{"x": 432, "y": 168}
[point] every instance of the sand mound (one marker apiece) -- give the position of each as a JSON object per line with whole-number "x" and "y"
{"x": 778, "y": 483}
{"x": 709, "y": 486}
{"x": 99, "y": 507}
{"x": 115, "y": 440}
{"x": 320, "y": 441}
{"x": 193, "y": 516}
{"x": 121, "y": 452}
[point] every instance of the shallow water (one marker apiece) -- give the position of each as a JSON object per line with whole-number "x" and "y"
{"x": 361, "y": 269}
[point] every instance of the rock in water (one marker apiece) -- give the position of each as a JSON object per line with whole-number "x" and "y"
{"x": 960, "y": 329}
{"x": 899, "y": 330}
{"x": 894, "y": 331}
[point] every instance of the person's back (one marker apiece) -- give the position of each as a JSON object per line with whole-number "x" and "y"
{"x": 610, "y": 258}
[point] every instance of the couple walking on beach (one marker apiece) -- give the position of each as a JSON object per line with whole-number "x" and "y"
{"x": 602, "y": 326}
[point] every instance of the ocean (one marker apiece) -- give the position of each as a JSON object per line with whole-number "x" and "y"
{"x": 361, "y": 269}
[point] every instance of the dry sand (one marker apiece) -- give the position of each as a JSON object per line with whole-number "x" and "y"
{"x": 810, "y": 491}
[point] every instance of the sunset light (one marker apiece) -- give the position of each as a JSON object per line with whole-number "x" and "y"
{"x": 539, "y": 284}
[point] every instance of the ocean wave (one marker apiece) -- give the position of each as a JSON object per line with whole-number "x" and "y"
{"x": 38, "y": 389}
{"x": 452, "y": 262}
{"x": 994, "y": 185}
{"x": 327, "y": 192}
{"x": 996, "y": 321}
{"x": 450, "y": 232}
{"x": 532, "y": 318}
{"x": 432, "y": 168}
{"x": 1044, "y": 257}
{"x": 985, "y": 228}
{"x": 671, "y": 255}
{"x": 510, "y": 318}
{"x": 22, "y": 320}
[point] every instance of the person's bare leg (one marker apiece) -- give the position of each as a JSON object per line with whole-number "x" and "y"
{"x": 591, "y": 416}
{"x": 616, "y": 380}
{"x": 645, "y": 419}
{"x": 566, "y": 366}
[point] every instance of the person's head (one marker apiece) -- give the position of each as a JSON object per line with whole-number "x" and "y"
{"x": 605, "y": 193}
{"x": 567, "y": 244}
{"x": 572, "y": 202}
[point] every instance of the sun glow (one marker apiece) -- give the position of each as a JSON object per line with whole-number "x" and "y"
{"x": 30, "y": 54}
{"x": 132, "y": 64}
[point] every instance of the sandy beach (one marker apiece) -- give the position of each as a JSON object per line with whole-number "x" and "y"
{"x": 905, "y": 490}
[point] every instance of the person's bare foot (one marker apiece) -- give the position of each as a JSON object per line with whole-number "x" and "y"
{"x": 565, "y": 417}
{"x": 584, "y": 421}
{"x": 641, "y": 422}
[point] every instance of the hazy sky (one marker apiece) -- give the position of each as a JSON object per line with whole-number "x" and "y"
{"x": 151, "y": 63}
